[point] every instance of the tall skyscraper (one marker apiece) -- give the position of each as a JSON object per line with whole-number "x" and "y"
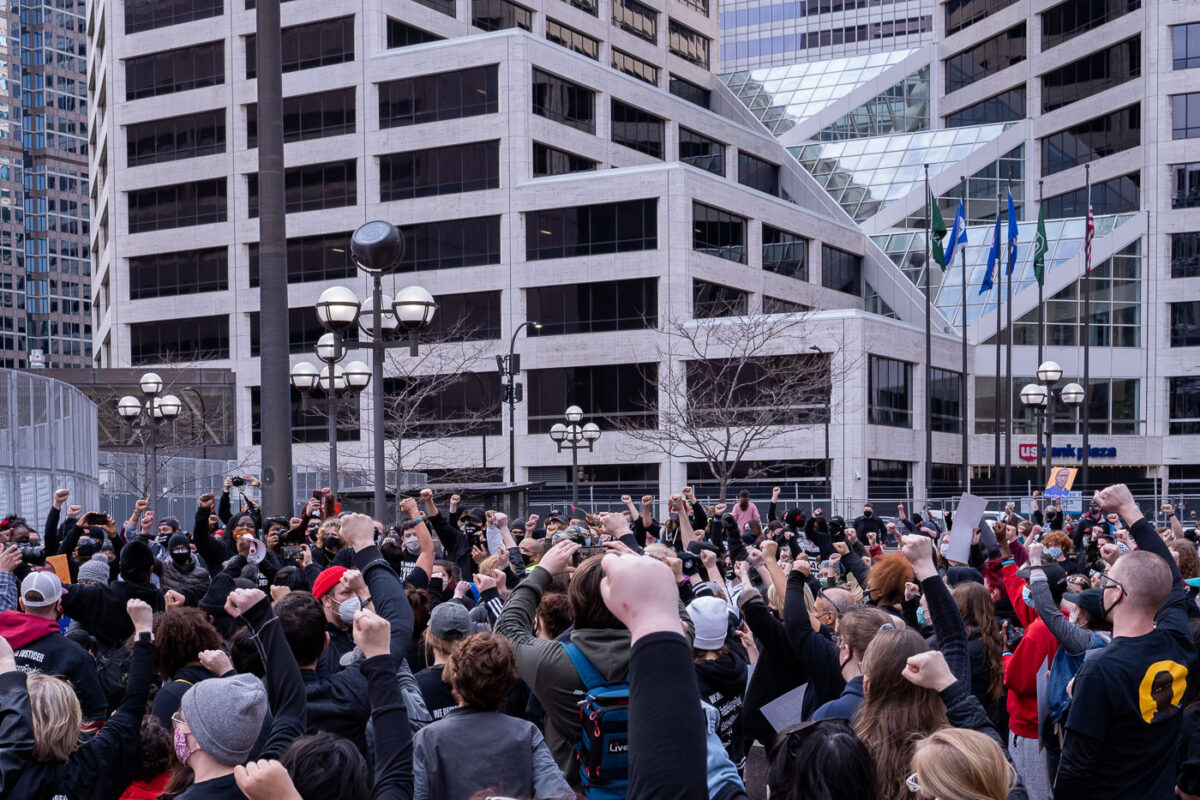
{"x": 13, "y": 322}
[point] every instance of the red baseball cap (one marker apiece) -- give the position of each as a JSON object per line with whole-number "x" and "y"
{"x": 327, "y": 580}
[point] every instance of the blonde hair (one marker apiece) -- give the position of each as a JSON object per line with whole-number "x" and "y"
{"x": 56, "y": 717}
{"x": 659, "y": 551}
{"x": 487, "y": 565}
{"x": 962, "y": 764}
{"x": 332, "y": 524}
{"x": 443, "y": 647}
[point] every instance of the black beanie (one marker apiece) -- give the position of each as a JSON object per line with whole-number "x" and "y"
{"x": 136, "y": 559}
{"x": 178, "y": 540}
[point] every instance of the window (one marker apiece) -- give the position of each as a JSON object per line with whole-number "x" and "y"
{"x": 784, "y": 253}
{"x": 700, "y": 151}
{"x": 776, "y": 305}
{"x": 312, "y": 258}
{"x": 1004, "y": 107}
{"x": 1115, "y": 196}
{"x": 552, "y": 161}
{"x": 591, "y": 230}
{"x": 637, "y": 129}
{"x": 631, "y": 65}
{"x": 177, "y": 206}
{"x": 450, "y": 243}
{"x": 888, "y": 480}
{"x": 690, "y": 91}
{"x": 961, "y": 13}
{"x": 309, "y": 116}
{"x": 593, "y": 307}
{"x": 400, "y": 34}
{"x": 946, "y": 394}
{"x": 1067, "y": 20}
{"x": 175, "y": 70}
{"x": 572, "y": 39}
{"x": 687, "y": 43}
{"x": 1185, "y": 324}
{"x": 313, "y": 187}
{"x": 590, "y": 6}
{"x": 304, "y": 330}
{"x": 432, "y": 98}
{"x": 444, "y": 6}
{"x": 1185, "y": 116}
{"x": 758, "y": 174}
{"x": 188, "y": 339}
{"x": 841, "y": 271}
{"x": 700, "y": 6}
{"x": 986, "y": 58}
{"x": 1186, "y": 181}
{"x": 757, "y": 391}
{"x": 1185, "y": 255}
{"x": 315, "y": 44}
{"x": 562, "y": 101}
{"x": 441, "y": 406}
{"x": 1092, "y": 74}
{"x": 185, "y": 272}
{"x": 458, "y": 168}
{"x": 615, "y": 395}
{"x": 469, "y": 317}
{"x": 890, "y": 392}
{"x": 145, "y": 15}
{"x": 495, "y": 15}
{"x": 718, "y": 233}
{"x": 640, "y": 20}
{"x": 1185, "y": 45}
{"x": 1096, "y": 138}
{"x": 309, "y": 421}
{"x": 714, "y": 300}
{"x": 1185, "y": 405}
{"x": 176, "y": 137}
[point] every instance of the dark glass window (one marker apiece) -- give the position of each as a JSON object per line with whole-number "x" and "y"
{"x": 946, "y": 394}
{"x": 758, "y": 174}
{"x": 590, "y": 6}
{"x": 450, "y": 243}
{"x": 444, "y": 6}
{"x": 176, "y": 340}
{"x": 961, "y": 13}
{"x": 1004, "y": 107}
{"x": 986, "y": 58}
{"x": 446, "y": 95}
{"x": 314, "y": 44}
{"x": 184, "y": 272}
{"x": 700, "y": 151}
{"x": 145, "y": 15}
{"x": 758, "y": 391}
{"x": 890, "y": 392}
{"x": 688, "y": 44}
{"x": 632, "y": 65}
{"x": 1067, "y": 20}
{"x": 1096, "y": 138}
{"x": 1185, "y": 116}
{"x": 177, "y": 206}
{"x": 1185, "y": 324}
{"x": 1185, "y": 255}
{"x": 552, "y": 161}
{"x": 637, "y": 18}
{"x": 441, "y": 406}
{"x": 176, "y": 137}
{"x": 175, "y": 70}
{"x": 1185, "y": 405}
{"x": 690, "y": 91}
{"x": 591, "y": 230}
{"x": 457, "y": 168}
{"x": 841, "y": 270}
{"x": 714, "y": 300}
{"x": 784, "y": 253}
{"x": 697, "y": 5}
{"x": 593, "y": 307}
{"x": 1185, "y": 45}
{"x": 313, "y": 187}
{"x": 776, "y": 305}
{"x": 469, "y": 317}
{"x": 1186, "y": 185}
{"x": 401, "y": 34}
{"x": 718, "y": 233}
{"x": 888, "y": 480}
{"x": 495, "y": 15}
{"x": 1092, "y": 74}
{"x": 304, "y": 329}
{"x": 637, "y": 129}
{"x": 1115, "y": 196}
{"x": 562, "y": 101}
{"x": 614, "y": 395}
{"x": 309, "y": 420}
{"x": 572, "y": 39}
{"x": 312, "y": 258}
{"x": 309, "y": 116}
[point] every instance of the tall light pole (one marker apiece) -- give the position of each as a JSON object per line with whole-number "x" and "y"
{"x": 332, "y": 380}
{"x": 574, "y": 437}
{"x": 152, "y": 411}
{"x": 1039, "y": 398}
{"x": 512, "y": 393}
{"x": 828, "y": 416}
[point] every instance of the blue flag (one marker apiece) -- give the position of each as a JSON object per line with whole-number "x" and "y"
{"x": 1013, "y": 231}
{"x": 993, "y": 257}
{"x": 958, "y": 235}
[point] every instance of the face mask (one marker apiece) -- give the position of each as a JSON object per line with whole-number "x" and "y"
{"x": 470, "y": 529}
{"x": 1027, "y": 596}
{"x": 944, "y": 549}
{"x": 1074, "y": 618}
{"x": 868, "y": 513}
{"x": 1055, "y": 552}
{"x": 181, "y": 557}
{"x": 412, "y": 546}
{"x": 182, "y": 751}
{"x": 348, "y": 608}
{"x": 332, "y": 542}
{"x": 922, "y": 616}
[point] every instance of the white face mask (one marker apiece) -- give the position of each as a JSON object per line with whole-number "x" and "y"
{"x": 412, "y": 545}
{"x": 348, "y": 608}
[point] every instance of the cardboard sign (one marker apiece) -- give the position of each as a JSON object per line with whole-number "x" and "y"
{"x": 966, "y": 520}
{"x": 1060, "y": 482}
{"x": 60, "y": 567}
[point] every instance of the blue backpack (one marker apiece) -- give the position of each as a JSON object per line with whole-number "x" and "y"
{"x": 603, "y": 747}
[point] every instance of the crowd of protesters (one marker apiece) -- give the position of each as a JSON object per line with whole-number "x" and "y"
{"x": 458, "y": 653}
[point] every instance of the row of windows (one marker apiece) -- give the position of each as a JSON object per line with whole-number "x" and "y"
{"x": 1185, "y": 116}
{"x": 1005, "y": 107}
{"x": 591, "y": 230}
{"x": 961, "y": 13}
{"x": 563, "y": 101}
{"x": 1185, "y": 185}
{"x": 177, "y": 206}
{"x": 632, "y": 65}
{"x": 889, "y": 390}
{"x": 1092, "y": 74}
{"x": 179, "y": 340}
{"x": 1074, "y": 17}
{"x": 446, "y": 95}
{"x": 687, "y": 43}
{"x": 495, "y": 15}
{"x": 637, "y": 18}
{"x": 572, "y": 39}
{"x": 986, "y": 58}
{"x": 1185, "y": 46}
{"x": 637, "y": 129}
{"x": 593, "y": 307}
{"x": 1093, "y": 139}
{"x": 313, "y": 187}
{"x": 175, "y": 70}
{"x": 309, "y": 116}
{"x": 1185, "y": 255}
{"x": 470, "y": 167}
{"x": 176, "y": 137}
{"x": 144, "y": 15}
{"x": 1185, "y": 324}
{"x": 185, "y": 272}
{"x": 711, "y": 300}
{"x": 401, "y": 34}
{"x": 700, "y": 151}
{"x": 311, "y": 258}
{"x": 315, "y": 44}
{"x": 1185, "y": 405}
{"x": 552, "y": 161}
{"x": 1115, "y": 196}
{"x": 451, "y": 243}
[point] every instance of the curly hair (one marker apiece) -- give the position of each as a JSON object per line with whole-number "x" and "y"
{"x": 979, "y": 614}
{"x": 887, "y": 577}
{"x": 1057, "y": 539}
{"x": 156, "y": 749}
{"x": 180, "y": 633}
{"x": 1185, "y": 554}
{"x": 554, "y": 615}
{"x": 332, "y": 524}
{"x": 482, "y": 671}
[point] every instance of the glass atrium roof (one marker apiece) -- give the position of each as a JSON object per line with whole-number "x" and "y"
{"x": 1065, "y": 239}
{"x": 782, "y": 97}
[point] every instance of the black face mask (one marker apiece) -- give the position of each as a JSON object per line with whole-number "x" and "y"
{"x": 470, "y": 529}
{"x": 868, "y": 513}
{"x": 331, "y": 542}
{"x": 181, "y": 558}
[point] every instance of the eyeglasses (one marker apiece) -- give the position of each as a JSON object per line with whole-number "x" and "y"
{"x": 914, "y": 786}
{"x": 178, "y": 720}
{"x": 1107, "y": 580}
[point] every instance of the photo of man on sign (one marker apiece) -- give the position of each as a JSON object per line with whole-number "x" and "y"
{"x": 1061, "y": 481}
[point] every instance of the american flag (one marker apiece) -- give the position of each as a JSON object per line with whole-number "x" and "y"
{"x": 1087, "y": 239}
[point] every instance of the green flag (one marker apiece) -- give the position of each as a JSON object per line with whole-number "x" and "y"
{"x": 1040, "y": 248}
{"x": 938, "y": 226}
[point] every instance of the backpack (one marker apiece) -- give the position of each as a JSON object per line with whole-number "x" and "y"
{"x": 603, "y": 747}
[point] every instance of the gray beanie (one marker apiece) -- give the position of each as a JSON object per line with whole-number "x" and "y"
{"x": 226, "y": 715}
{"x": 95, "y": 569}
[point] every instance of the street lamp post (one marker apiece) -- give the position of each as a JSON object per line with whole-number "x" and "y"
{"x": 575, "y": 437}
{"x": 155, "y": 410}
{"x": 508, "y": 370}
{"x": 332, "y": 380}
{"x": 1039, "y": 398}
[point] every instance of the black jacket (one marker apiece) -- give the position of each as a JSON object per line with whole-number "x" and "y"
{"x": 99, "y": 608}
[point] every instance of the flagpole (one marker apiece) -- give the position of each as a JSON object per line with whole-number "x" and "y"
{"x": 1087, "y": 332}
{"x": 1041, "y": 345}
{"x": 966, "y": 455}
{"x": 928, "y": 339}
{"x": 1008, "y": 387}
{"x": 999, "y": 396}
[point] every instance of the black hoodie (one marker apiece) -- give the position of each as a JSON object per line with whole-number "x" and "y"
{"x": 723, "y": 685}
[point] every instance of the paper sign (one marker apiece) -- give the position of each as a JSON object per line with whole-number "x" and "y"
{"x": 1061, "y": 481}
{"x": 787, "y": 709}
{"x": 966, "y": 519}
{"x": 60, "y": 567}
{"x": 495, "y": 541}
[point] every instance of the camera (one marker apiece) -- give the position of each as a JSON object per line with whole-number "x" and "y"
{"x": 237, "y": 481}
{"x": 584, "y": 553}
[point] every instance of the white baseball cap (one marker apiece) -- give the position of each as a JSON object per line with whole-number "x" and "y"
{"x": 45, "y": 587}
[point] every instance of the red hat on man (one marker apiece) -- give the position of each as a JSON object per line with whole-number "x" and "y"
{"x": 325, "y": 582}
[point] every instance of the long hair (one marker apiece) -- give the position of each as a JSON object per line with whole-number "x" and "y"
{"x": 895, "y": 712}
{"x": 962, "y": 764}
{"x": 975, "y": 605}
{"x": 56, "y": 717}
{"x": 820, "y": 761}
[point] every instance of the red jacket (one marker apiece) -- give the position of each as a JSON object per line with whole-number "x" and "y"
{"x": 1020, "y": 669}
{"x": 146, "y": 790}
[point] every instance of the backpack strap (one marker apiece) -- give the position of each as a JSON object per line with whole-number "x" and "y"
{"x": 588, "y": 673}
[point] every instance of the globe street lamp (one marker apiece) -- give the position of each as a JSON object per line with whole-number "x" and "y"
{"x": 575, "y": 437}
{"x": 331, "y": 380}
{"x": 148, "y": 414}
{"x": 1039, "y": 398}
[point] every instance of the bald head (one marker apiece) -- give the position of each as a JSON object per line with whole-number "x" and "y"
{"x": 841, "y": 599}
{"x": 1146, "y": 578}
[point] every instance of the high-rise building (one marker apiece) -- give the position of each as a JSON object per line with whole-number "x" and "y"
{"x": 13, "y": 323}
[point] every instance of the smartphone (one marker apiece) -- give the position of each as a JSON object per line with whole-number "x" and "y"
{"x": 317, "y": 494}
{"x": 584, "y": 553}
{"x": 292, "y": 552}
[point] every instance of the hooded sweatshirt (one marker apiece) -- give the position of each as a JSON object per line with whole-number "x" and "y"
{"x": 38, "y": 644}
{"x": 723, "y": 684}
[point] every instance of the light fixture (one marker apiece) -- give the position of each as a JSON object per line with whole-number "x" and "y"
{"x": 129, "y": 406}
{"x": 1034, "y": 395}
{"x": 305, "y": 376}
{"x": 1049, "y": 372}
{"x": 414, "y": 307}
{"x": 327, "y": 349}
{"x": 558, "y": 432}
{"x": 366, "y": 317}
{"x": 169, "y": 406}
{"x": 339, "y": 378}
{"x": 376, "y": 247}
{"x": 357, "y": 375}
{"x": 574, "y": 413}
{"x": 574, "y": 433}
{"x": 150, "y": 384}
{"x": 591, "y": 431}
{"x": 1072, "y": 394}
{"x": 337, "y": 308}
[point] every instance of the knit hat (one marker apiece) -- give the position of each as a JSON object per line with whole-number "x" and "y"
{"x": 327, "y": 580}
{"x": 178, "y": 540}
{"x": 172, "y": 521}
{"x": 136, "y": 558}
{"x": 711, "y": 618}
{"x": 226, "y": 715}
{"x": 95, "y": 569}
